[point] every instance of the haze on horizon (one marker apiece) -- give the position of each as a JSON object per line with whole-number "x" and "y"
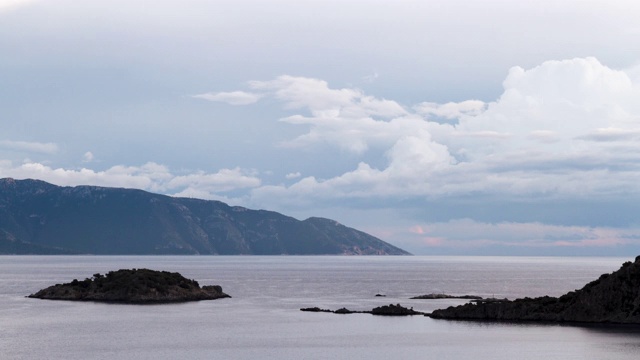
{"x": 442, "y": 127}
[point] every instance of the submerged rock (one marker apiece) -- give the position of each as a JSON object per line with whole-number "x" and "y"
{"x": 136, "y": 286}
{"x": 613, "y": 298}
{"x": 445, "y": 296}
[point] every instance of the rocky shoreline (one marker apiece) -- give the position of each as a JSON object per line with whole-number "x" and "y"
{"x": 135, "y": 286}
{"x": 613, "y": 298}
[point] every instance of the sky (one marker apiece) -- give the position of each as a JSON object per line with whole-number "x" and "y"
{"x": 443, "y": 127}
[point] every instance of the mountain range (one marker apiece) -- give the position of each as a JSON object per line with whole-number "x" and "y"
{"x": 37, "y": 217}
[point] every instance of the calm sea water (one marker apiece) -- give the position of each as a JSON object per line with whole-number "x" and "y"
{"x": 262, "y": 320}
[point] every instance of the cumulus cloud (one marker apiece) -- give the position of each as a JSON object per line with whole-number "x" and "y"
{"x": 561, "y": 129}
{"x": 569, "y": 97}
{"x": 345, "y": 117}
{"x": 293, "y": 175}
{"x": 232, "y": 98}
{"x": 31, "y": 147}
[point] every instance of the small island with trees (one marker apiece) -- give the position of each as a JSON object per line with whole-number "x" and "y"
{"x": 132, "y": 286}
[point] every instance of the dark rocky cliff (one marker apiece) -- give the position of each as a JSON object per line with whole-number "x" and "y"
{"x": 40, "y": 218}
{"x": 613, "y": 298}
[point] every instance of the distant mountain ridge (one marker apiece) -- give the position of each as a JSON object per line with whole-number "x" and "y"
{"x": 41, "y": 218}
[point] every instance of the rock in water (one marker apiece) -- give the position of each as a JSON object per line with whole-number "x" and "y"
{"x": 445, "y": 296}
{"x": 394, "y": 310}
{"x": 136, "y": 286}
{"x": 613, "y": 298}
{"x": 387, "y": 310}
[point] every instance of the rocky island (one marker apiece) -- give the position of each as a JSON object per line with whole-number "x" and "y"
{"x": 135, "y": 286}
{"x": 613, "y": 298}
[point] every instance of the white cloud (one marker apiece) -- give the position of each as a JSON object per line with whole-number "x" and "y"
{"x": 150, "y": 176}
{"x": 87, "y": 157}
{"x": 344, "y": 117}
{"x": 570, "y": 98}
{"x": 221, "y": 181}
{"x": 451, "y": 110}
{"x": 561, "y": 129}
{"x": 293, "y": 175}
{"x": 32, "y": 147}
{"x": 324, "y": 102}
{"x": 232, "y": 98}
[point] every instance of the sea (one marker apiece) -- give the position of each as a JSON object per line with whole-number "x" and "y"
{"x": 262, "y": 320}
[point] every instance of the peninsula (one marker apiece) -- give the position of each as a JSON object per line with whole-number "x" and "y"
{"x": 135, "y": 286}
{"x": 613, "y": 298}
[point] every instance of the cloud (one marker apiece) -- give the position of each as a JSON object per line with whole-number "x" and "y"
{"x": 544, "y": 136}
{"x": 570, "y": 97}
{"x": 323, "y": 101}
{"x": 32, "y": 147}
{"x": 465, "y": 233}
{"x": 232, "y": 98}
{"x": 371, "y": 77}
{"x": 451, "y": 110}
{"x": 150, "y": 176}
{"x": 612, "y": 134}
{"x": 561, "y": 129}
{"x": 293, "y": 175}
{"x": 221, "y": 181}
{"x": 344, "y": 117}
{"x": 87, "y": 157}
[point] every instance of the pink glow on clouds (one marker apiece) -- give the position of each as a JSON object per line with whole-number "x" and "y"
{"x": 467, "y": 233}
{"x": 592, "y": 242}
{"x": 417, "y": 229}
{"x": 434, "y": 241}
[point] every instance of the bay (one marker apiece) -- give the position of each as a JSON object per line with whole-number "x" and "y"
{"x": 263, "y": 321}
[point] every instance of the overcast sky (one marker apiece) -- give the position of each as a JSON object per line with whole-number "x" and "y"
{"x": 442, "y": 127}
